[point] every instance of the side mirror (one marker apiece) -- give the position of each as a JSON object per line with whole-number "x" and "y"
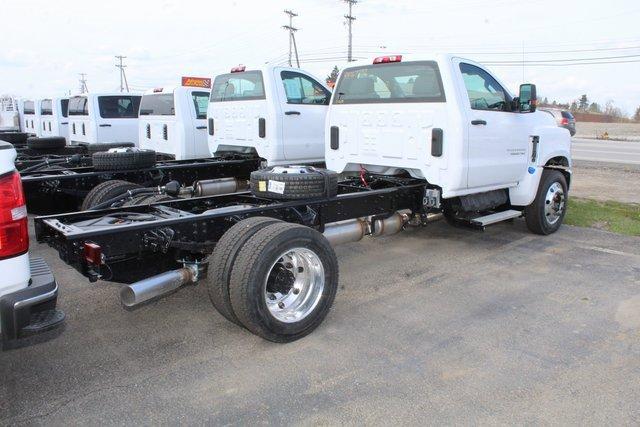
{"x": 527, "y": 99}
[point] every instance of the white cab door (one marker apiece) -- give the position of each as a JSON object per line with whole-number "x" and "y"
{"x": 304, "y": 103}
{"x": 498, "y": 137}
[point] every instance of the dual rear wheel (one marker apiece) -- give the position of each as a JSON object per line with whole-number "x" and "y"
{"x": 274, "y": 278}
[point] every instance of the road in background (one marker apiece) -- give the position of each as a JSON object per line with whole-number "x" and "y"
{"x": 626, "y": 152}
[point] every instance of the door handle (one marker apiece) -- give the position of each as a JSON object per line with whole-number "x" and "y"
{"x": 201, "y": 127}
{"x": 292, "y": 113}
{"x": 64, "y": 123}
{"x": 105, "y": 125}
{"x": 478, "y": 122}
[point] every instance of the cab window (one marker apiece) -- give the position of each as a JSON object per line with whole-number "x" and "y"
{"x": 78, "y": 106}
{"x": 119, "y": 107}
{"x": 46, "y": 107}
{"x": 29, "y": 107}
{"x": 244, "y": 86}
{"x": 64, "y": 106}
{"x": 485, "y": 93}
{"x": 157, "y": 105}
{"x": 200, "y": 103}
{"x": 301, "y": 89}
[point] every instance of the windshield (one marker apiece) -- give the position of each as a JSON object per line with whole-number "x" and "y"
{"x": 157, "y": 105}
{"x": 390, "y": 83}
{"x": 244, "y": 86}
{"x": 119, "y": 107}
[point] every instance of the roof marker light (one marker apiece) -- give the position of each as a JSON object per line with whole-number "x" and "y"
{"x": 387, "y": 59}
{"x": 238, "y": 69}
{"x": 157, "y": 90}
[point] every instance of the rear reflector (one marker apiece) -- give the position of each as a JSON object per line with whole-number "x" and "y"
{"x": 238, "y": 69}
{"x": 92, "y": 253}
{"x": 14, "y": 233}
{"x": 387, "y": 59}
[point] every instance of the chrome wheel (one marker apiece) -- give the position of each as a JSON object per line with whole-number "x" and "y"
{"x": 294, "y": 285}
{"x": 554, "y": 203}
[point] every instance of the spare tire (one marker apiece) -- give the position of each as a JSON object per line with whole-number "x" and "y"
{"x": 48, "y": 143}
{"x": 106, "y": 191}
{"x": 124, "y": 158}
{"x": 294, "y": 183}
{"x": 14, "y": 137}
{"x": 106, "y": 146}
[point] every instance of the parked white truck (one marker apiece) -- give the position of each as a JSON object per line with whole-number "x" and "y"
{"x": 28, "y": 290}
{"x": 54, "y": 118}
{"x": 407, "y": 142}
{"x": 98, "y": 118}
{"x": 276, "y": 112}
{"x": 9, "y": 115}
{"x": 173, "y": 121}
{"x": 30, "y": 116}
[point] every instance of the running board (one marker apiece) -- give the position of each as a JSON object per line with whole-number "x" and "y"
{"x": 483, "y": 221}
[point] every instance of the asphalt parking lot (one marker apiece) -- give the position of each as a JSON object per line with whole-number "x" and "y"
{"x": 435, "y": 325}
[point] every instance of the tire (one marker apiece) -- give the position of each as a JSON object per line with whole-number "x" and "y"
{"x": 105, "y": 191}
{"x": 134, "y": 159}
{"x": 49, "y": 143}
{"x": 300, "y": 182}
{"x": 105, "y": 146}
{"x": 539, "y": 215}
{"x": 16, "y": 138}
{"x": 223, "y": 259}
{"x": 256, "y": 264}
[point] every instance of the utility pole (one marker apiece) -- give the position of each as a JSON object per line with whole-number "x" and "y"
{"x": 83, "y": 83}
{"x": 350, "y": 18}
{"x": 123, "y": 76}
{"x": 292, "y": 37}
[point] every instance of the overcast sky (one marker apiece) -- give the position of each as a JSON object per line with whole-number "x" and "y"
{"x": 45, "y": 44}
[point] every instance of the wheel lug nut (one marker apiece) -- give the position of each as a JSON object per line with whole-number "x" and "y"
{"x": 288, "y": 265}
{"x": 300, "y": 269}
{"x": 296, "y": 291}
{"x": 281, "y": 304}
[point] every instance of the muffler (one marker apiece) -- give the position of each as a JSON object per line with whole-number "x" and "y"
{"x": 214, "y": 187}
{"x": 354, "y": 230}
{"x": 144, "y": 290}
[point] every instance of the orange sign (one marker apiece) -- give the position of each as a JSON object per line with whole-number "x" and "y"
{"x": 197, "y": 82}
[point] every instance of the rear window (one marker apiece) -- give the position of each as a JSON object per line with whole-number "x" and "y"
{"x": 390, "y": 83}
{"x": 78, "y": 106}
{"x": 29, "y": 107}
{"x": 157, "y": 105}
{"x": 567, "y": 115}
{"x": 119, "y": 106}
{"x": 244, "y": 86}
{"x": 200, "y": 103}
{"x": 46, "y": 107}
{"x": 64, "y": 106}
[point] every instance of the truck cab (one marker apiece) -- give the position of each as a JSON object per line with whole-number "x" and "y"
{"x": 28, "y": 290}
{"x": 31, "y": 116}
{"x": 447, "y": 120}
{"x": 276, "y": 112}
{"x": 173, "y": 121}
{"x": 103, "y": 118}
{"x": 9, "y": 115}
{"x": 54, "y": 119}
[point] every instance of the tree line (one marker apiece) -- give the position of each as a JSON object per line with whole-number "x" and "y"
{"x": 584, "y": 105}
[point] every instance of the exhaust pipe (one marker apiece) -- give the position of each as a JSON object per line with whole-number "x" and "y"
{"x": 213, "y": 187}
{"x": 354, "y": 230}
{"x": 144, "y": 290}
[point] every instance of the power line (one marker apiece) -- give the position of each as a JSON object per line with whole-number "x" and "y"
{"x": 292, "y": 37}
{"x": 350, "y": 18}
{"x": 123, "y": 76}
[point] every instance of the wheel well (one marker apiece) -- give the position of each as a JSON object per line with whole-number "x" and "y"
{"x": 560, "y": 163}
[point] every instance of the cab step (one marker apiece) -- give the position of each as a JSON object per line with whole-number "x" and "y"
{"x": 493, "y": 218}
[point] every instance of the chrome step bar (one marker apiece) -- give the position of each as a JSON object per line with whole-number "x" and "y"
{"x": 483, "y": 221}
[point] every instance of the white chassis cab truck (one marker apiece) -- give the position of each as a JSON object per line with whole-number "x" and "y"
{"x": 406, "y": 143}
{"x": 30, "y": 116}
{"x": 54, "y": 120}
{"x": 9, "y": 115}
{"x": 276, "y": 112}
{"x": 99, "y": 118}
{"x": 173, "y": 121}
{"x": 28, "y": 290}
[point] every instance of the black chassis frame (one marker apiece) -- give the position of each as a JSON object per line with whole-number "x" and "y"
{"x": 135, "y": 251}
{"x": 58, "y": 191}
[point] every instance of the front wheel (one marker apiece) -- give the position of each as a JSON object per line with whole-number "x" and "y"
{"x": 546, "y": 213}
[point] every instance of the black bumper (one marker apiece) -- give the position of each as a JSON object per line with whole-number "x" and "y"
{"x": 30, "y": 311}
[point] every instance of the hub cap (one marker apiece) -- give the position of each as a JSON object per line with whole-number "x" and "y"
{"x": 554, "y": 203}
{"x": 294, "y": 285}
